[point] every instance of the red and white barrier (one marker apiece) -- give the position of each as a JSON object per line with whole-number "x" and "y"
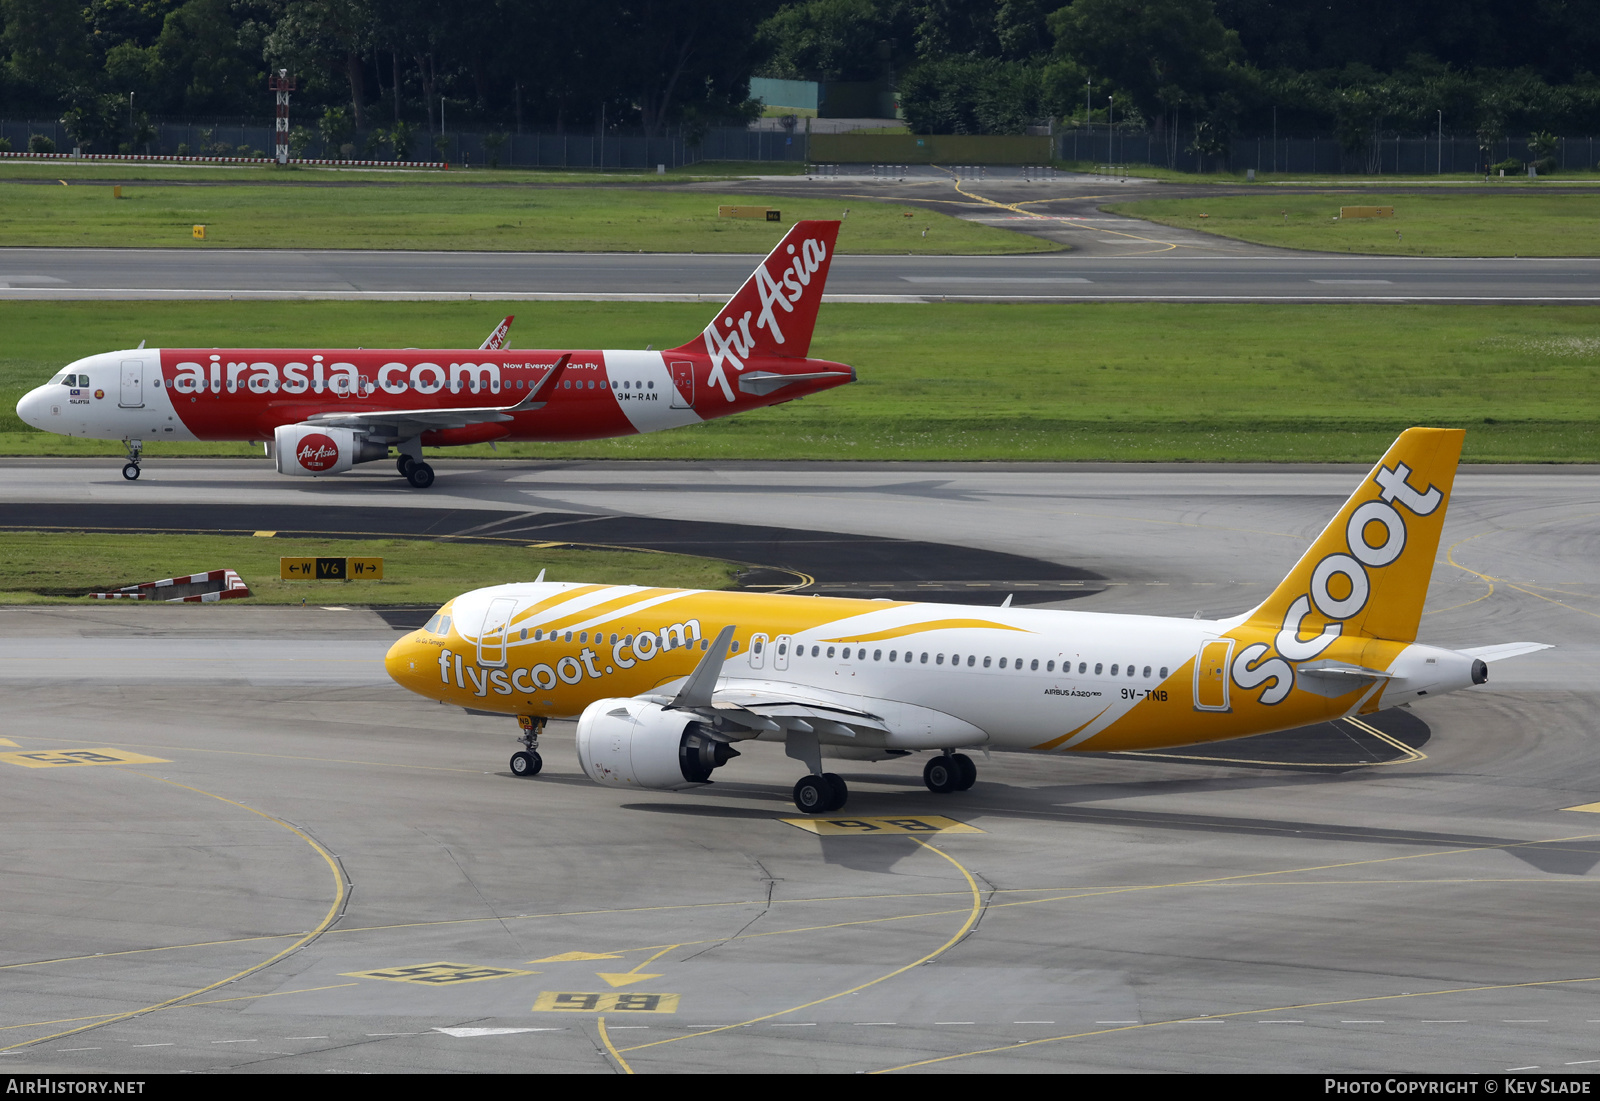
{"x": 233, "y": 587}
{"x": 218, "y": 160}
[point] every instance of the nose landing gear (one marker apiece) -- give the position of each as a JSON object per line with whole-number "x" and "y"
{"x": 135, "y": 453}
{"x": 527, "y": 762}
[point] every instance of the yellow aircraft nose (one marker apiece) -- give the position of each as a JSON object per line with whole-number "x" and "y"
{"x": 404, "y": 660}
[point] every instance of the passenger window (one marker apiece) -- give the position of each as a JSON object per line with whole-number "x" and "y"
{"x": 756, "y": 646}
{"x": 734, "y": 649}
{"x": 1163, "y": 672}
{"x": 705, "y": 643}
{"x": 783, "y": 648}
{"x": 986, "y": 661}
{"x": 924, "y": 657}
{"x": 1017, "y": 663}
{"x": 938, "y": 659}
{"x": 569, "y": 636}
{"x": 814, "y": 651}
{"x": 524, "y": 633}
{"x": 1002, "y": 663}
{"x": 538, "y": 635}
{"x": 1035, "y": 664}
{"x": 877, "y": 655}
{"x": 1097, "y": 668}
{"x": 830, "y": 651}
{"x": 970, "y": 659}
{"x": 1147, "y": 671}
{"x": 1083, "y": 666}
{"x": 1132, "y": 671}
{"x": 650, "y": 385}
{"x": 1113, "y": 670}
{"x": 1050, "y": 667}
{"x": 894, "y": 655}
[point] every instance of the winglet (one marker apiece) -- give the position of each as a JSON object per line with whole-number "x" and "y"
{"x": 696, "y": 691}
{"x": 497, "y": 339}
{"x": 549, "y": 380}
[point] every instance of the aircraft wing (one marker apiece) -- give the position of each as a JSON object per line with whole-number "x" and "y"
{"x": 405, "y": 423}
{"x": 770, "y": 706}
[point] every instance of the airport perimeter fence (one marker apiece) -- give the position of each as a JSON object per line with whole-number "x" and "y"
{"x": 542, "y": 150}
{"x": 1314, "y": 155}
{"x": 1318, "y": 155}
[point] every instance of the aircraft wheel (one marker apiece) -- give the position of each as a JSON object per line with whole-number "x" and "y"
{"x": 813, "y": 795}
{"x": 837, "y": 787}
{"x": 131, "y": 472}
{"x": 421, "y": 475}
{"x": 968, "y": 770}
{"x": 526, "y": 763}
{"x": 941, "y": 774}
{"x": 404, "y": 464}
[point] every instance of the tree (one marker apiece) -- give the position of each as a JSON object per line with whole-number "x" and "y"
{"x": 47, "y": 42}
{"x": 326, "y": 37}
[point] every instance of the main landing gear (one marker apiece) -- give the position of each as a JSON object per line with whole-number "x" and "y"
{"x": 419, "y": 474}
{"x": 820, "y": 794}
{"x": 949, "y": 772}
{"x": 135, "y": 453}
{"x": 526, "y": 761}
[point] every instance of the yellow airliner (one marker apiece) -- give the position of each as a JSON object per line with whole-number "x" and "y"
{"x": 665, "y": 683}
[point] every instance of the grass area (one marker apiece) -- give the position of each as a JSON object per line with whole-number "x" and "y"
{"x": 134, "y": 171}
{"x": 1521, "y": 223}
{"x": 428, "y": 216}
{"x": 1583, "y": 177}
{"x": 1124, "y": 381}
{"x": 57, "y": 567}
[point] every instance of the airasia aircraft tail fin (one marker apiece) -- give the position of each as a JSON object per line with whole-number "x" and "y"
{"x": 774, "y": 312}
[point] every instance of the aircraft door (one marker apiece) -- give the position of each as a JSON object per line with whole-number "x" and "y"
{"x": 758, "y": 651}
{"x": 1211, "y": 674}
{"x": 780, "y": 651}
{"x": 132, "y": 396}
{"x": 492, "y": 638}
{"x": 683, "y": 386}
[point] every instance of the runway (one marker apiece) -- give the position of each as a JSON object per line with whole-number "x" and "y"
{"x": 235, "y": 846}
{"x": 1146, "y": 270}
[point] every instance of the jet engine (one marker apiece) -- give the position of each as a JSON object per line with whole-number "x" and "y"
{"x": 634, "y": 743}
{"x": 310, "y": 451}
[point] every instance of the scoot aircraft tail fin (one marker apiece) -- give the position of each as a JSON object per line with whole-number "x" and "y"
{"x": 1367, "y": 573}
{"x": 776, "y": 309}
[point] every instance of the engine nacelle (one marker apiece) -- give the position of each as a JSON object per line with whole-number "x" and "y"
{"x": 310, "y": 451}
{"x": 634, "y": 743}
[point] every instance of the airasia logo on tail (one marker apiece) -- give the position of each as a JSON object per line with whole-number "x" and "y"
{"x": 317, "y": 452}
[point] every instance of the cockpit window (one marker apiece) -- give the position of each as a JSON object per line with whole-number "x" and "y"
{"x": 71, "y": 380}
{"x": 438, "y": 625}
{"x": 62, "y": 378}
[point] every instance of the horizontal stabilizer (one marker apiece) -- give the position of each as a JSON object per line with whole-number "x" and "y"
{"x": 1506, "y": 650}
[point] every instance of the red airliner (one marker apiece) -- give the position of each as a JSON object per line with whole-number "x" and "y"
{"x": 325, "y": 410}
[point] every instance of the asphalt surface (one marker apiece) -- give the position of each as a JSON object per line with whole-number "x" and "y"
{"x": 298, "y": 867}
{"x": 1111, "y": 258}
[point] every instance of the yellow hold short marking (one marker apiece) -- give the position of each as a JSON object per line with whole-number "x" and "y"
{"x": 63, "y": 758}
{"x": 438, "y": 974}
{"x": 8, "y": 741}
{"x": 1587, "y": 808}
{"x": 866, "y": 827}
{"x": 623, "y": 978}
{"x": 551, "y": 1001}
{"x": 265, "y": 534}
{"x": 574, "y": 957}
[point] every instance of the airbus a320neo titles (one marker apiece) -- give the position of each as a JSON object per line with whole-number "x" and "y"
{"x": 325, "y": 410}
{"x": 666, "y": 684}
